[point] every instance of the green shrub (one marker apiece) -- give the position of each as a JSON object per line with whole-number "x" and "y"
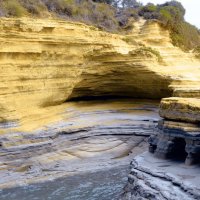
{"x": 154, "y": 52}
{"x": 14, "y": 8}
{"x": 148, "y": 51}
{"x": 171, "y": 15}
{"x": 152, "y": 8}
{"x": 35, "y": 7}
{"x": 165, "y": 14}
{"x": 103, "y": 15}
{"x": 197, "y": 52}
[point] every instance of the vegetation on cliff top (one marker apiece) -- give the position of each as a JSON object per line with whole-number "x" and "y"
{"x": 110, "y": 15}
{"x": 171, "y": 15}
{"x": 197, "y": 52}
{"x": 87, "y": 11}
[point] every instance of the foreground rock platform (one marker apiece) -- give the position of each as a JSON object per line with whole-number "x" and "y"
{"x": 92, "y": 137}
{"x": 154, "y": 179}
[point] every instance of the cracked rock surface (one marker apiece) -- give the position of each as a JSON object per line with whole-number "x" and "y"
{"x": 155, "y": 179}
{"x": 86, "y": 156}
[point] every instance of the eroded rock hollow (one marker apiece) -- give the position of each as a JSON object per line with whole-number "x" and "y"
{"x": 47, "y": 62}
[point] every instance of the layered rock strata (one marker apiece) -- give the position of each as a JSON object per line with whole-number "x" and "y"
{"x": 44, "y": 63}
{"x": 163, "y": 174}
{"x": 179, "y": 137}
{"x": 98, "y": 136}
{"x": 176, "y": 140}
{"x": 154, "y": 179}
{"x": 180, "y": 109}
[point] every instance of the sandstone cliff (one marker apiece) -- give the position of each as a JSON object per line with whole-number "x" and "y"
{"x": 180, "y": 109}
{"x": 44, "y": 63}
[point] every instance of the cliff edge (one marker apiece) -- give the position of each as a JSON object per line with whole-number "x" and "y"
{"x": 44, "y": 63}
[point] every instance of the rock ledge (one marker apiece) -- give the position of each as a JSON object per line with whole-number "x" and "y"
{"x": 155, "y": 179}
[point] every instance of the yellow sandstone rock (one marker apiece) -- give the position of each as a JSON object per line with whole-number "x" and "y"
{"x": 44, "y": 63}
{"x": 180, "y": 109}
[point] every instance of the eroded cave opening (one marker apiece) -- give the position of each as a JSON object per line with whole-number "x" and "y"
{"x": 178, "y": 151}
{"x": 102, "y": 97}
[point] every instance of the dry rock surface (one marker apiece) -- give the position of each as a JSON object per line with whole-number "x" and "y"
{"x": 93, "y": 148}
{"x": 180, "y": 109}
{"x": 155, "y": 179}
{"x": 172, "y": 172}
{"x": 45, "y": 63}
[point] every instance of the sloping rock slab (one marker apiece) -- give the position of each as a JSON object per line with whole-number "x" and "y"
{"x": 154, "y": 179}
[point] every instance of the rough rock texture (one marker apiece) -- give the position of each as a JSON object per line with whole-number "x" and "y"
{"x": 176, "y": 140}
{"x": 155, "y": 179}
{"x": 43, "y": 63}
{"x": 180, "y": 109}
{"x": 175, "y": 137}
{"x": 92, "y": 136}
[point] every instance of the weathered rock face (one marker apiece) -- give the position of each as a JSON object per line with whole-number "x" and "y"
{"x": 175, "y": 138}
{"x": 96, "y": 136}
{"x": 43, "y": 63}
{"x": 180, "y": 109}
{"x": 155, "y": 179}
{"x": 166, "y": 174}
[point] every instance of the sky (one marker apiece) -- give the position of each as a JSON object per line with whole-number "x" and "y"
{"x": 192, "y": 9}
